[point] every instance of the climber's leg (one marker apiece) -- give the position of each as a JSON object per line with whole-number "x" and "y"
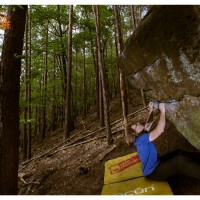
{"x": 177, "y": 162}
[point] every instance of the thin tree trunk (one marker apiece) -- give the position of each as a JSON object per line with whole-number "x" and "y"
{"x": 63, "y": 54}
{"x": 96, "y": 69}
{"x": 101, "y": 106}
{"x": 44, "y": 121}
{"x": 99, "y": 89}
{"x": 9, "y": 101}
{"x": 26, "y": 93}
{"x": 67, "y": 125}
{"x": 133, "y": 18}
{"x": 113, "y": 74}
{"x": 138, "y": 14}
{"x": 114, "y": 83}
{"x": 43, "y": 107}
{"x": 53, "y": 112}
{"x": 102, "y": 73}
{"x": 29, "y": 91}
{"x": 84, "y": 83}
{"x": 40, "y": 107}
{"x": 122, "y": 75}
{"x": 36, "y": 121}
{"x": 116, "y": 45}
{"x": 75, "y": 87}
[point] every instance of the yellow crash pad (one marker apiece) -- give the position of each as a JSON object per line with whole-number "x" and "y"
{"x": 123, "y": 176}
{"x": 122, "y": 168}
{"x": 138, "y": 186}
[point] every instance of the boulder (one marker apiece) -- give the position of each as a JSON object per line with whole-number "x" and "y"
{"x": 162, "y": 57}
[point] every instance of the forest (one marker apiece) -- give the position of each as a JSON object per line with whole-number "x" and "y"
{"x": 67, "y": 64}
{"x": 60, "y": 79}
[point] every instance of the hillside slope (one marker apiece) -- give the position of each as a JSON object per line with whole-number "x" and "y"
{"x": 59, "y": 173}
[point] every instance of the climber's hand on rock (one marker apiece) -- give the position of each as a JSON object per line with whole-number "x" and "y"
{"x": 150, "y": 106}
{"x": 162, "y": 107}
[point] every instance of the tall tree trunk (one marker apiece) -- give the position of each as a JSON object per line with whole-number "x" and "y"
{"x": 113, "y": 74}
{"x": 40, "y": 106}
{"x": 103, "y": 78}
{"x": 68, "y": 120}
{"x": 84, "y": 83}
{"x": 75, "y": 87}
{"x": 122, "y": 75}
{"x": 26, "y": 93}
{"x": 53, "y": 112}
{"x": 138, "y": 14}
{"x": 9, "y": 101}
{"x": 101, "y": 105}
{"x": 44, "y": 123}
{"x": 96, "y": 68}
{"x": 63, "y": 54}
{"x": 29, "y": 91}
{"x": 36, "y": 131}
{"x": 134, "y": 25}
{"x": 100, "y": 108}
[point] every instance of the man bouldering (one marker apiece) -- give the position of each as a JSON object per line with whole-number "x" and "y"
{"x": 173, "y": 163}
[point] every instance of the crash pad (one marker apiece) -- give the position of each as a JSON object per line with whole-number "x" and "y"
{"x": 123, "y": 176}
{"x": 122, "y": 168}
{"x": 138, "y": 186}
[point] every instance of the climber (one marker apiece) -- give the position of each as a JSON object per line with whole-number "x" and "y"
{"x": 176, "y": 162}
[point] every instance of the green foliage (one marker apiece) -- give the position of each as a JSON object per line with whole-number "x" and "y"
{"x": 84, "y": 38}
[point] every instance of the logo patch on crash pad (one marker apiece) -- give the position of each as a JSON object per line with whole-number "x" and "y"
{"x": 124, "y": 164}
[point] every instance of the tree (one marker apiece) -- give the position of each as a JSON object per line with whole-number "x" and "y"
{"x": 45, "y": 84}
{"x": 133, "y": 20}
{"x": 29, "y": 91}
{"x": 63, "y": 52}
{"x": 27, "y": 107}
{"x": 9, "y": 100}
{"x": 96, "y": 68}
{"x": 122, "y": 75}
{"x": 102, "y": 75}
{"x": 26, "y": 92}
{"x": 69, "y": 69}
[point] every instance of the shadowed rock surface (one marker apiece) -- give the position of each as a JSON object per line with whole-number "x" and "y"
{"x": 163, "y": 58}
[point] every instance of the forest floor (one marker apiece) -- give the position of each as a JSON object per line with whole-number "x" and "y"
{"x": 58, "y": 173}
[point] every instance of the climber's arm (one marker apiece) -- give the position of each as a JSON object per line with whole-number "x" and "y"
{"x": 149, "y": 120}
{"x": 161, "y": 124}
{"x": 149, "y": 123}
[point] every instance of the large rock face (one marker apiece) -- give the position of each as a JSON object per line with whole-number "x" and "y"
{"x": 163, "y": 58}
